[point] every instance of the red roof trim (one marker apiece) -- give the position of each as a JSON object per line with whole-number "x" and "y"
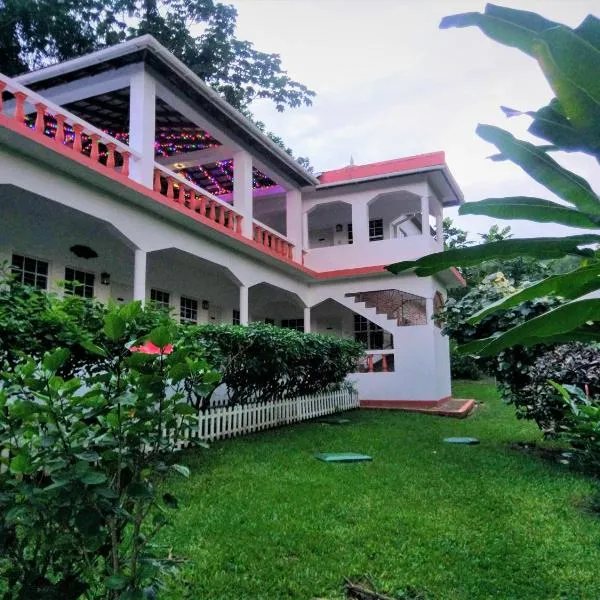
{"x": 388, "y": 167}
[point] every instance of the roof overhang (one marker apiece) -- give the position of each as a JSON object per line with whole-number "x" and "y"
{"x": 148, "y": 50}
{"x": 450, "y": 191}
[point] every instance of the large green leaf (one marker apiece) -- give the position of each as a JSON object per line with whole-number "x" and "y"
{"x": 571, "y": 65}
{"x": 532, "y": 209}
{"x": 589, "y": 30}
{"x": 551, "y": 123}
{"x": 555, "y": 323}
{"x": 509, "y": 26}
{"x": 540, "y": 248}
{"x": 543, "y": 168}
{"x": 568, "y": 285}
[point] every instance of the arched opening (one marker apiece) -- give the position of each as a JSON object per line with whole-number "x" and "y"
{"x": 275, "y": 306}
{"x": 61, "y": 249}
{"x": 394, "y": 215}
{"x": 330, "y": 225}
{"x": 193, "y": 289}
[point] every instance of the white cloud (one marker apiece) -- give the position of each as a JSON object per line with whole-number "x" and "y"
{"x": 389, "y": 83}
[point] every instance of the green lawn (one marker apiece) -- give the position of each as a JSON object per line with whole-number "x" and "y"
{"x": 261, "y": 518}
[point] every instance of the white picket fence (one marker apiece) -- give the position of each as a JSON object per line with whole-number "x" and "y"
{"x": 230, "y": 421}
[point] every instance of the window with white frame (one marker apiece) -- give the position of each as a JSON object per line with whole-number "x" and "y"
{"x": 370, "y": 335}
{"x": 375, "y": 230}
{"x": 79, "y": 283}
{"x": 30, "y": 271}
{"x": 188, "y": 310}
{"x": 297, "y": 324}
{"x": 160, "y": 298}
{"x": 350, "y": 234}
{"x": 235, "y": 319}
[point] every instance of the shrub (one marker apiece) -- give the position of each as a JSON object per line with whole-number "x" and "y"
{"x": 33, "y": 322}
{"x": 582, "y": 428}
{"x": 86, "y": 455}
{"x": 512, "y": 366}
{"x": 463, "y": 366}
{"x": 573, "y": 364}
{"x": 263, "y": 362}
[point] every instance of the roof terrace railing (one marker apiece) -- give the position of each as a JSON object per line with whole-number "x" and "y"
{"x": 50, "y": 120}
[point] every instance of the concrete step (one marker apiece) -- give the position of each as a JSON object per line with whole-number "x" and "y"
{"x": 452, "y": 407}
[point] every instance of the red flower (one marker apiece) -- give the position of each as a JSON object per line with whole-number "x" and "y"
{"x": 149, "y": 348}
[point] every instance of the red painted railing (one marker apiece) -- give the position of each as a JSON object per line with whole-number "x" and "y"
{"x": 196, "y": 199}
{"x": 52, "y": 121}
{"x": 271, "y": 240}
{"x": 377, "y": 361}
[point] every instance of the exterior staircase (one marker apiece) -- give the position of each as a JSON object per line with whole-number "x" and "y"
{"x": 400, "y": 307}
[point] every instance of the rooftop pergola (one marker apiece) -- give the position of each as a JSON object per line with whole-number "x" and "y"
{"x": 179, "y": 143}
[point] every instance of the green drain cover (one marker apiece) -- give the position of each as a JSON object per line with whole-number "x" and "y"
{"x": 342, "y": 457}
{"x": 334, "y": 421}
{"x": 461, "y": 440}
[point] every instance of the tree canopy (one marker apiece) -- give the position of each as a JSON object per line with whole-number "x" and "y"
{"x": 201, "y": 33}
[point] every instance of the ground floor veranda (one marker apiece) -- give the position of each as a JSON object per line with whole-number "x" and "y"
{"x": 48, "y": 243}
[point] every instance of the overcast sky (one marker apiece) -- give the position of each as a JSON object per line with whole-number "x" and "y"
{"x": 389, "y": 84}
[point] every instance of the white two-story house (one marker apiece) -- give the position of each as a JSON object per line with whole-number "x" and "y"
{"x": 121, "y": 170}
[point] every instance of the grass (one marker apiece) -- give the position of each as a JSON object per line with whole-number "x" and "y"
{"x": 260, "y": 518}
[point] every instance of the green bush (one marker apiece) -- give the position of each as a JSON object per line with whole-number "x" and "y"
{"x": 463, "y": 366}
{"x": 256, "y": 363}
{"x": 263, "y": 362}
{"x": 512, "y": 366}
{"x": 33, "y": 322}
{"x": 582, "y": 428}
{"x": 573, "y": 364}
{"x": 85, "y": 458}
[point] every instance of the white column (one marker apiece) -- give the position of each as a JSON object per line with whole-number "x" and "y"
{"x": 307, "y": 319}
{"x": 242, "y": 189}
{"x": 439, "y": 229}
{"x": 142, "y": 124}
{"x": 425, "y": 215}
{"x": 243, "y": 305}
{"x": 305, "y": 242}
{"x": 429, "y": 310}
{"x": 360, "y": 223}
{"x": 294, "y": 221}
{"x": 139, "y": 276}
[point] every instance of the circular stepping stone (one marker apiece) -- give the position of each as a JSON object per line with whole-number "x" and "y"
{"x": 461, "y": 440}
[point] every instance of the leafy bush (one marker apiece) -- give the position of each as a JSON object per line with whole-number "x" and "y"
{"x": 79, "y": 503}
{"x": 463, "y": 366}
{"x": 512, "y": 366}
{"x": 263, "y": 362}
{"x": 573, "y": 364}
{"x": 33, "y": 322}
{"x": 582, "y": 429}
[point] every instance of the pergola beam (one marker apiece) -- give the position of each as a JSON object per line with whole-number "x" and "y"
{"x": 196, "y": 157}
{"x": 89, "y": 87}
